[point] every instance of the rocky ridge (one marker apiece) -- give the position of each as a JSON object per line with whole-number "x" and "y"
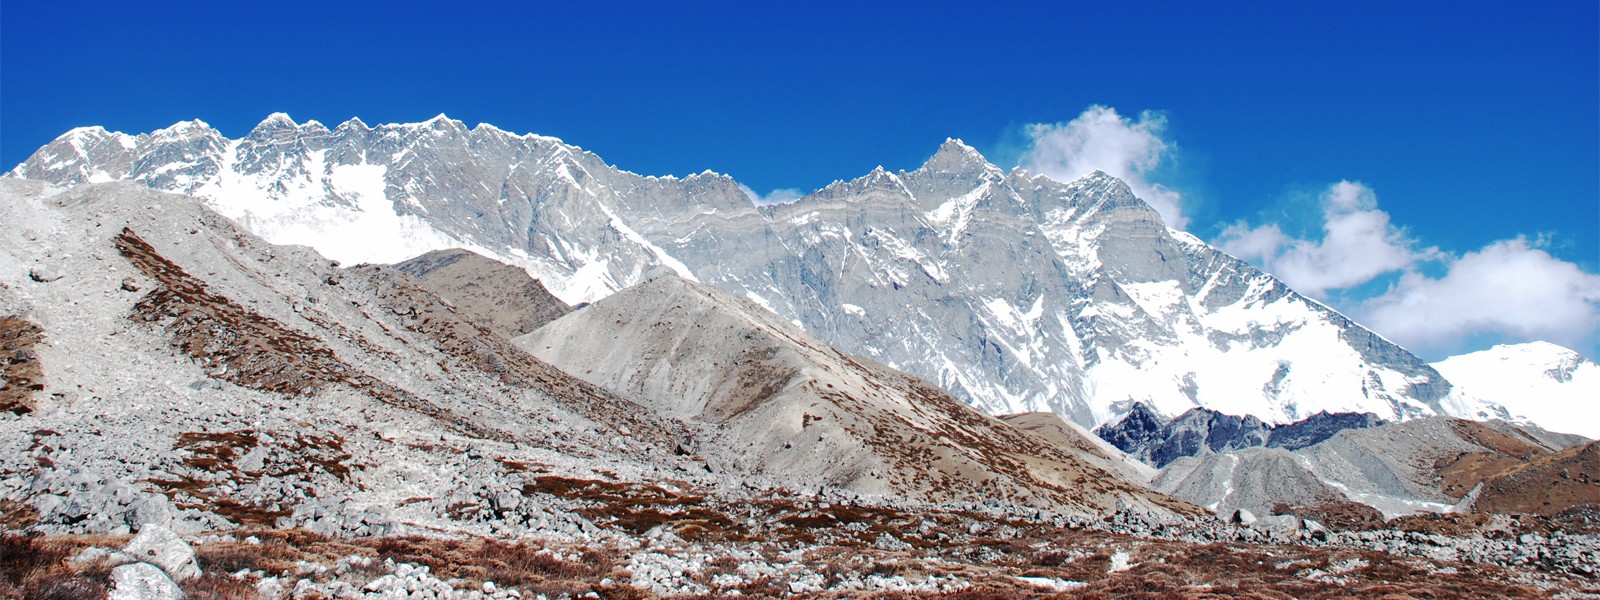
{"x": 491, "y": 292}
{"x": 1157, "y": 441}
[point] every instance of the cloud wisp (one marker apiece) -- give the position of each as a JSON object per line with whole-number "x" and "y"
{"x": 1101, "y": 139}
{"x": 1510, "y": 289}
{"x": 777, "y": 196}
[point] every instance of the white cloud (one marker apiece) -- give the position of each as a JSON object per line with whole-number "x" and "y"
{"x": 1509, "y": 288}
{"x": 1100, "y": 139}
{"x": 777, "y": 196}
{"x": 1358, "y": 244}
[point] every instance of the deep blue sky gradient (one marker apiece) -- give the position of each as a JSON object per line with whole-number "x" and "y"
{"x": 1473, "y": 121}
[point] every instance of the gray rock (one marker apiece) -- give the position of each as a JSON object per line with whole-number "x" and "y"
{"x": 142, "y": 581}
{"x": 44, "y": 274}
{"x": 1286, "y": 524}
{"x": 158, "y": 545}
{"x": 94, "y": 554}
{"x": 150, "y": 509}
{"x": 47, "y": 505}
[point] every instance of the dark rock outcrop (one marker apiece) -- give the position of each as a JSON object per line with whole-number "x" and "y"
{"x": 1145, "y": 435}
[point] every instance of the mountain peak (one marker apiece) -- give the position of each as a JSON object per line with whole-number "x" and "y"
{"x": 278, "y": 118}
{"x": 271, "y": 126}
{"x": 184, "y": 129}
{"x": 1101, "y": 182}
{"x": 956, "y": 156}
{"x": 1547, "y": 384}
{"x": 1538, "y": 347}
{"x": 957, "y": 145}
{"x": 354, "y": 123}
{"x": 78, "y": 132}
{"x": 441, "y": 120}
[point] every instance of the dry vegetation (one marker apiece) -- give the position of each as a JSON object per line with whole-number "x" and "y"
{"x": 1337, "y": 516}
{"x": 214, "y": 458}
{"x": 1548, "y": 485}
{"x": 248, "y": 349}
{"x": 19, "y": 366}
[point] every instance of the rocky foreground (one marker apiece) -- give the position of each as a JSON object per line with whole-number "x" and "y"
{"x": 648, "y": 541}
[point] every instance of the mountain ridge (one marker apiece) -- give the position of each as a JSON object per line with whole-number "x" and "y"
{"x": 1014, "y": 292}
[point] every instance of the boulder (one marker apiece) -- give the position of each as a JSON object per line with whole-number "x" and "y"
{"x": 43, "y": 274}
{"x": 161, "y": 547}
{"x": 1285, "y": 524}
{"x": 142, "y": 581}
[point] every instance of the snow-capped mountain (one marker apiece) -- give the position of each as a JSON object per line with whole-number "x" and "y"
{"x": 1013, "y": 291}
{"x": 1546, "y": 384}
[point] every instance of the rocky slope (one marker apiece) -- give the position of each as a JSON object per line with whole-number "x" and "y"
{"x": 1547, "y": 484}
{"x": 1427, "y": 465}
{"x": 491, "y": 292}
{"x": 1085, "y": 445}
{"x": 786, "y": 404}
{"x": 190, "y": 374}
{"x": 1013, "y": 292}
{"x": 1548, "y": 385}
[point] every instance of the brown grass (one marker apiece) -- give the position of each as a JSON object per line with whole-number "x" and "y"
{"x": 217, "y": 586}
{"x": 1547, "y": 485}
{"x": 19, "y": 365}
{"x": 529, "y": 567}
{"x": 37, "y": 567}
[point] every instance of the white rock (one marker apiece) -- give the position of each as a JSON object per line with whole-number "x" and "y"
{"x": 161, "y": 547}
{"x": 142, "y": 581}
{"x": 43, "y": 274}
{"x": 270, "y": 587}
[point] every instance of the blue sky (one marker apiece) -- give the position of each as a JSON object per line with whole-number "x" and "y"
{"x": 1468, "y": 127}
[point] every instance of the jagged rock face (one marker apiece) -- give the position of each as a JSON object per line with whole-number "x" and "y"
{"x": 1136, "y": 431}
{"x": 1318, "y": 427}
{"x": 1145, "y": 435}
{"x": 1014, "y": 292}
